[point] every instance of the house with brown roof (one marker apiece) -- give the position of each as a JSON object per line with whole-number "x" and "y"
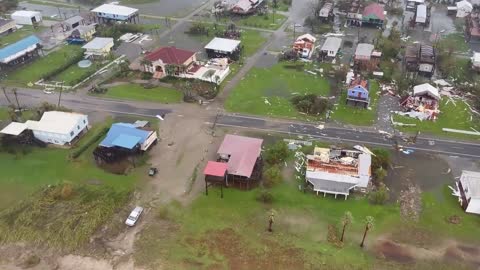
{"x": 158, "y": 61}
{"x": 244, "y": 7}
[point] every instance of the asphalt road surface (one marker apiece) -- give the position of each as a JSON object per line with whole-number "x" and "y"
{"x": 93, "y": 104}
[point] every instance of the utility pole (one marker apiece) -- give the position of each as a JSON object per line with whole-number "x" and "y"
{"x": 60, "y": 95}
{"x": 14, "y": 90}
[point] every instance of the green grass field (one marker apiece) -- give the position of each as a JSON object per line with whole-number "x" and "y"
{"x": 33, "y": 72}
{"x": 451, "y": 116}
{"x": 262, "y": 21}
{"x": 25, "y": 31}
{"x": 72, "y": 74}
{"x": 350, "y": 114}
{"x": 215, "y": 232}
{"x": 137, "y": 92}
{"x": 267, "y": 91}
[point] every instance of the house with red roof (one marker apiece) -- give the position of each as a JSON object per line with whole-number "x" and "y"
{"x": 374, "y": 15}
{"x": 239, "y": 162}
{"x": 358, "y": 92}
{"x": 158, "y": 61}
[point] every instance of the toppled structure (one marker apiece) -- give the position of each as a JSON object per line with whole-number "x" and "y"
{"x": 304, "y": 45}
{"x": 337, "y": 171}
{"x": 468, "y": 191}
{"x": 423, "y": 103}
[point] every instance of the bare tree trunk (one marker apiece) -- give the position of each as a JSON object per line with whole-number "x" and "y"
{"x": 343, "y": 232}
{"x": 270, "y": 223}
{"x": 364, "y": 236}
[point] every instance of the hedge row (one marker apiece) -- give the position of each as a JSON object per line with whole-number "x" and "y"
{"x": 77, "y": 152}
{"x": 74, "y": 60}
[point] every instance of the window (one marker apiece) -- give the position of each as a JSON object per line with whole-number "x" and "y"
{"x": 71, "y": 133}
{"x": 84, "y": 121}
{"x": 78, "y": 127}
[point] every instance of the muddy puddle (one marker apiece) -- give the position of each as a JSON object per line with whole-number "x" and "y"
{"x": 428, "y": 172}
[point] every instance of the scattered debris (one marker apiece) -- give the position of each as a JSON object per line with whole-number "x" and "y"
{"x": 461, "y": 131}
{"x": 455, "y": 219}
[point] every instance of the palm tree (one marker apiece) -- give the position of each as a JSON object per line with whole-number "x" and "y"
{"x": 346, "y": 220}
{"x": 4, "y": 89}
{"x": 271, "y": 219}
{"x": 369, "y": 222}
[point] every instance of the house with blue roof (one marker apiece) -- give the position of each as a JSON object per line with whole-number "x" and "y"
{"x": 124, "y": 140}
{"x": 128, "y": 136}
{"x": 20, "y": 51}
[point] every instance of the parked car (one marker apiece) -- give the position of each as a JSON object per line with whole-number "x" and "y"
{"x": 134, "y": 216}
{"x": 152, "y": 171}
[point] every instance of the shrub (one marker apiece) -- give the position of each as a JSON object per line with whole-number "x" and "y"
{"x": 311, "y": 104}
{"x": 77, "y": 152}
{"x": 380, "y": 196}
{"x": 264, "y": 196}
{"x": 272, "y": 176}
{"x": 276, "y": 153}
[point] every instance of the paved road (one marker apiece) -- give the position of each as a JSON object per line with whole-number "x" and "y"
{"x": 339, "y": 135}
{"x": 92, "y": 104}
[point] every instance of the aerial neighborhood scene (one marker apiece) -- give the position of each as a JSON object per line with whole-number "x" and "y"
{"x": 239, "y": 134}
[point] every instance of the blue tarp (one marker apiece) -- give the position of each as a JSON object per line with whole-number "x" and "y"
{"x": 124, "y": 135}
{"x": 18, "y": 46}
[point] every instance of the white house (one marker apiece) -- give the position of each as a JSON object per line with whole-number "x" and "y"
{"x": 99, "y": 46}
{"x": 223, "y": 47}
{"x": 331, "y": 46}
{"x": 26, "y": 17}
{"x": 468, "y": 191}
{"x": 421, "y": 17}
{"x": 108, "y": 12}
{"x": 464, "y": 8}
{"x": 325, "y": 11}
{"x": 7, "y": 26}
{"x": 476, "y": 61}
{"x": 58, "y": 127}
{"x": 337, "y": 171}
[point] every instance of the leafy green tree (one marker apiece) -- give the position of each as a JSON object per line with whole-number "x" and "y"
{"x": 276, "y": 153}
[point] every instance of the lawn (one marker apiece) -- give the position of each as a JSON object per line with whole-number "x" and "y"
{"x": 137, "y": 92}
{"x": 456, "y": 41}
{"x": 267, "y": 21}
{"x": 224, "y": 233}
{"x": 74, "y": 74}
{"x": 60, "y": 202}
{"x": 455, "y": 116}
{"x": 33, "y": 72}
{"x": 25, "y": 31}
{"x": 357, "y": 115}
{"x": 267, "y": 91}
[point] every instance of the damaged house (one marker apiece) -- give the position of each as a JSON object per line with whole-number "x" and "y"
{"x": 366, "y": 57}
{"x": 244, "y": 7}
{"x": 326, "y": 12}
{"x": 472, "y": 27}
{"x": 304, "y": 45}
{"x": 337, "y": 171}
{"x": 422, "y": 104}
{"x": 420, "y": 58}
{"x": 468, "y": 191}
{"x": 354, "y": 13}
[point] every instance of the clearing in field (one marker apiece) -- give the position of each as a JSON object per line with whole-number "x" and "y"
{"x": 131, "y": 91}
{"x": 267, "y": 91}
